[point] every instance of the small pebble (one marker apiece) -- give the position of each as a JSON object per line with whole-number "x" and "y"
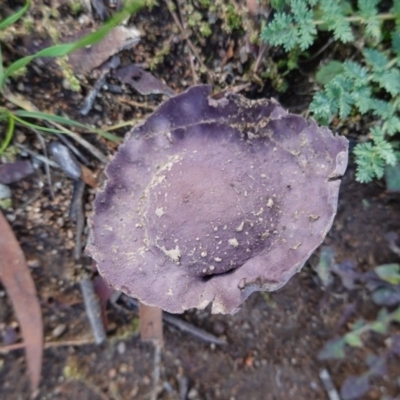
{"x": 121, "y": 348}
{"x": 5, "y": 192}
{"x": 193, "y": 394}
{"x": 59, "y": 330}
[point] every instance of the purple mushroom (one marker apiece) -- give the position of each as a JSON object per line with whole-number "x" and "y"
{"x": 214, "y": 198}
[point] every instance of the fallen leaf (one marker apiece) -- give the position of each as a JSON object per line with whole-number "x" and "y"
{"x": 18, "y": 282}
{"x": 88, "y": 58}
{"x": 142, "y": 81}
{"x": 151, "y": 326}
{"x": 15, "y": 171}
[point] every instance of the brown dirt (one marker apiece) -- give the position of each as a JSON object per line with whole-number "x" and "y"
{"x": 273, "y": 341}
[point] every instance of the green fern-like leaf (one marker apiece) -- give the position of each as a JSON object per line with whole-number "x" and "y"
{"x": 362, "y": 98}
{"x": 376, "y": 59}
{"x": 281, "y": 31}
{"x": 335, "y": 20}
{"x": 339, "y": 91}
{"x": 382, "y": 108}
{"x": 369, "y": 164}
{"x": 396, "y": 12}
{"x": 388, "y": 80}
{"x": 382, "y": 147}
{"x": 356, "y": 72}
{"x": 322, "y": 106}
{"x": 392, "y": 125}
{"x": 303, "y": 17}
{"x": 396, "y": 42}
{"x": 369, "y": 13}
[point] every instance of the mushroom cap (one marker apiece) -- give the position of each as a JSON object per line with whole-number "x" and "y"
{"x": 212, "y": 199}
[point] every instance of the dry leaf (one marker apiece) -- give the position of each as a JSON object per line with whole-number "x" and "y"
{"x": 151, "y": 326}
{"x": 15, "y": 171}
{"x": 88, "y": 58}
{"x": 18, "y": 282}
{"x": 142, "y": 81}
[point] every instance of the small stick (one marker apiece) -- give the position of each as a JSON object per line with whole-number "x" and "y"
{"x": 76, "y": 211}
{"x": 47, "y": 345}
{"x": 42, "y": 159}
{"x": 88, "y": 146}
{"x": 193, "y": 330}
{"x": 156, "y": 371}
{"x": 328, "y": 385}
{"x": 136, "y": 104}
{"x": 46, "y": 166}
{"x": 183, "y": 387}
{"x": 91, "y": 97}
{"x": 93, "y": 310}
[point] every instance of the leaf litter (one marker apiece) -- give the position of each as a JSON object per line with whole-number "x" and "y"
{"x": 18, "y": 282}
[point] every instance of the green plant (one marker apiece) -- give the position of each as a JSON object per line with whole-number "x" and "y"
{"x": 383, "y": 282}
{"x": 21, "y": 111}
{"x": 370, "y": 85}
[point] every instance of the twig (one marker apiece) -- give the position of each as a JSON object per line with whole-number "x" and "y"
{"x": 156, "y": 371}
{"x": 328, "y": 385}
{"x": 76, "y": 212}
{"x": 40, "y": 158}
{"x": 136, "y": 104}
{"x": 46, "y": 165}
{"x": 263, "y": 48}
{"x": 47, "y": 345}
{"x": 183, "y": 387}
{"x": 114, "y": 62}
{"x": 93, "y": 310}
{"x": 91, "y": 97}
{"x": 317, "y": 53}
{"x": 123, "y": 124}
{"x": 193, "y": 330}
{"x": 88, "y": 146}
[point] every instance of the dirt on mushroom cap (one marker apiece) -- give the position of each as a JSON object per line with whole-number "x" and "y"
{"x": 210, "y": 200}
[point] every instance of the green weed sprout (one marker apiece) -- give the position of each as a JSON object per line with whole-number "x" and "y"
{"x": 24, "y": 112}
{"x": 369, "y": 86}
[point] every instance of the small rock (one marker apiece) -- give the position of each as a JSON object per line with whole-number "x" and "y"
{"x": 193, "y": 394}
{"x": 59, "y": 330}
{"x": 5, "y": 192}
{"x": 121, "y": 348}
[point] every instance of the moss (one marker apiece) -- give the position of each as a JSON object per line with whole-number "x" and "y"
{"x": 234, "y": 21}
{"x": 158, "y": 57}
{"x": 205, "y": 29}
{"x": 66, "y": 69}
{"x": 75, "y": 7}
{"x": 5, "y": 204}
{"x": 71, "y": 370}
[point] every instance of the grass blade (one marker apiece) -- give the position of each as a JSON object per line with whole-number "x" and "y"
{"x": 9, "y": 133}
{"x": 65, "y": 121}
{"x": 1, "y": 69}
{"x": 15, "y": 17}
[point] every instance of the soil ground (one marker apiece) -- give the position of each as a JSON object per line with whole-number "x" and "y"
{"x": 273, "y": 341}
